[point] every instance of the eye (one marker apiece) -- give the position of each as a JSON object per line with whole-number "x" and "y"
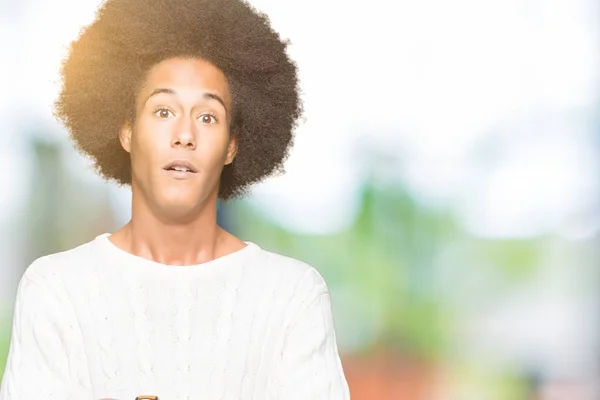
{"x": 163, "y": 113}
{"x": 208, "y": 119}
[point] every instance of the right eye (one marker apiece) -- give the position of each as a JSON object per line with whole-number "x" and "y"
{"x": 163, "y": 113}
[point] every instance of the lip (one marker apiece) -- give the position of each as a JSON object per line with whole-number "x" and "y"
{"x": 180, "y": 174}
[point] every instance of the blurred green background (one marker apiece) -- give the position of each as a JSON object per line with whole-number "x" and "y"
{"x": 444, "y": 181}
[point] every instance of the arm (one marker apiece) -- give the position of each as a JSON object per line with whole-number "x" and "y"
{"x": 310, "y": 364}
{"x": 46, "y": 358}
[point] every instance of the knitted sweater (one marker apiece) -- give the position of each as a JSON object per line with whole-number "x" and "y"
{"x": 98, "y": 322}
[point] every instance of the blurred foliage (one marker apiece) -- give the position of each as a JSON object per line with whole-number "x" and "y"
{"x": 468, "y": 379}
{"x": 393, "y": 259}
{"x": 517, "y": 259}
{"x": 63, "y": 211}
{"x": 5, "y": 330}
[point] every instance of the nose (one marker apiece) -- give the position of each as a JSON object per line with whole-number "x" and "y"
{"x": 184, "y": 136}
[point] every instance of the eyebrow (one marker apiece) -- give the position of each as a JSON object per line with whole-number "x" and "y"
{"x": 205, "y": 95}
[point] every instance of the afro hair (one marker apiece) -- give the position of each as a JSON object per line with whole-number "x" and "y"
{"x": 109, "y": 61}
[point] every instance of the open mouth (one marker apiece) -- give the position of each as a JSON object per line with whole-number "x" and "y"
{"x": 182, "y": 169}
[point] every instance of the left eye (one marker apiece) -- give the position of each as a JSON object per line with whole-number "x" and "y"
{"x": 207, "y": 119}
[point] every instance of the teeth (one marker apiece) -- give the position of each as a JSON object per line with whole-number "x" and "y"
{"x": 180, "y": 169}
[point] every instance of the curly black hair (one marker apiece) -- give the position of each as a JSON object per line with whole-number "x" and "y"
{"x": 107, "y": 64}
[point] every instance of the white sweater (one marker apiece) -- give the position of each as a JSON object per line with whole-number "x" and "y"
{"x": 98, "y": 322}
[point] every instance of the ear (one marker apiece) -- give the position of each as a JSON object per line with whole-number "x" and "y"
{"x": 125, "y": 137}
{"x": 231, "y": 150}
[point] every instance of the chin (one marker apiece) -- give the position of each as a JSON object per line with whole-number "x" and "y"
{"x": 178, "y": 202}
{"x": 179, "y": 210}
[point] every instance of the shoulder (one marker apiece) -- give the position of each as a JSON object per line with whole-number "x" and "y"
{"x": 291, "y": 282}
{"x": 60, "y": 264}
{"x": 41, "y": 286}
{"x": 300, "y": 279}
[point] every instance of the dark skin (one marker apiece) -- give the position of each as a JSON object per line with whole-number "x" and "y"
{"x": 183, "y": 113}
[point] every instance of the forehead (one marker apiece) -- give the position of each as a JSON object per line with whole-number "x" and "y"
{"x": 187, "y": 75}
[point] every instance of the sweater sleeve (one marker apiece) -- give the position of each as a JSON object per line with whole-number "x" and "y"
{"x": 310, "y": 365}
{"x": 46, "y": 359}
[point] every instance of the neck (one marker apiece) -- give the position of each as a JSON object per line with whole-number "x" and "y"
{"x": 174, "y": 241}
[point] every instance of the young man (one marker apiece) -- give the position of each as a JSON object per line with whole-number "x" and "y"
{"x": 187, "y": 101}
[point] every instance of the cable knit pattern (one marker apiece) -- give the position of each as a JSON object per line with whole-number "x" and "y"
{"x": 97, "y": 322}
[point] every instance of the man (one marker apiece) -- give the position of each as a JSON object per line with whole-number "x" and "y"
{"x": 187, "y": 101}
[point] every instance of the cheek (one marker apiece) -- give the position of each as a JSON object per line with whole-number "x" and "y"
{"x": 152, "y": 134}
{"x": 212, "y": 146}
{"x": 146, "y": 145}
{"x": 146, "y": 131}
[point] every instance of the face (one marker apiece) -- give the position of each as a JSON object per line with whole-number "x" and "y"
{"x": 180, "y": 140}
